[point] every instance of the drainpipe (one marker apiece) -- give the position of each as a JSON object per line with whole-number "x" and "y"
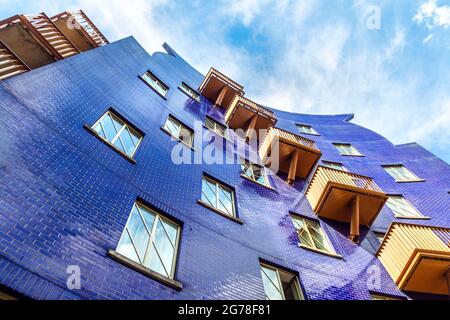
{"x": 293, "y": 168}
{"x": 354, "y": 223}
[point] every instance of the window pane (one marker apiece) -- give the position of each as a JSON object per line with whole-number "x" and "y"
{"x": 110, "y": 127}
{"x": 164, "y": 250}
{"x": 118, "y": 143}
{"x": 209, "y": 193}
{"x": 271, "y": 284}
{"x": 126, "y": 247}
{"x": 246, "y": 169}
{"x": 185, "y": 136}
{"x": 138, "y": 233}
{"x": 317, "y": 236}
{"x": 225, "y": 201}
{"x": 172, "y": 126}
{"x": 259, "y": 174}
{"x": 154, "y": 262}
{"x": 149, "y": 217}
{"x": 127, "y": 142}
{"x": 401, "y": 207}
{"x": 155, "y": 83}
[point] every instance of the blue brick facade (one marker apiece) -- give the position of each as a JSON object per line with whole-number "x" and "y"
{"x": 65, "y": 197}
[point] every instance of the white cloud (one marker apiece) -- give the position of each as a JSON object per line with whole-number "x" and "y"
{"x": 433, "y": 15}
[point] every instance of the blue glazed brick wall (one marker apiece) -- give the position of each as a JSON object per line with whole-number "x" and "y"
{"x": 65, "y": 196}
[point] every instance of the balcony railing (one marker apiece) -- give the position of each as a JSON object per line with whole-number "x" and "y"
{"x": 247, "y": 115}
{"x": 417, "y": 257}
{"x": 219, "y": 88}
{"x": 345, "y": 197}
{"x": 90, "y": 28}
{"x": 10, "y": 64}
{"x": 294, "y": 155}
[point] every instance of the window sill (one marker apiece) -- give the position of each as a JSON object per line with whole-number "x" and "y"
{"x": 207, "y": 206}
{"x": 411, "y": 218}
{"x": 92, "y": 131}
{"x": 145, "y": 271}
{"x": 330, "y": 254}
{"x": 258, "y": 183}
{"x": 154, "y": 90}
{"x": 179, "y": 140}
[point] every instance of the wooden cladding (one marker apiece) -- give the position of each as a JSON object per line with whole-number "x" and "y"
{"x": 220, "y": 89}
{"x": 10, "y": 64}
{"x": 296, "y": 156}
{"x": 417, "y": 257}
{"x": 247, "y": 115}
{"x": 334, "y": 194}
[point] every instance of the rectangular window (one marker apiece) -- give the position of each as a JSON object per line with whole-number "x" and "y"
{"x": 179, "y": 131}
{"x": 254, "y": 172}
{"x": 155, "y": 83}
{"x": 218, "y": 196}
{"x": 380, "y": 236}
{"x": 216, "y": 127}
{"x": 310, "y": 234}
{"x": 150, "y": 240}
{"x": 279, "y": 284}
{"x": 304, "y": 128}
{"x": 119, "y": 134}
{"x": 190, "y": 92}
{"x": 346, "y": 149}
{"x": 400, "y": 173}
{"x": 402, "y": 208}
{"x": 334, "y": 165}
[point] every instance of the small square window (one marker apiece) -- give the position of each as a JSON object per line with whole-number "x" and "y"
{"x": 401, "y": 174}
{"x": 254, "y": 172}
{"x": 402, "y": 208}
{"x": 179, "y": 131}
{"x": 311, "y": 235}
{"x": 218, "y": 196}
{"x": 334, "y": 165}
{"x": 216, "y": 127}
{"x": 280, "y": 284}
{"x": 346, "y": 149}
{"x": 155, "y": 83}
{"x": 112, "y": 129}
{"x": 190, "y": 92}
{"x": 307, "y": 129}
{"x": 151, "y": 240}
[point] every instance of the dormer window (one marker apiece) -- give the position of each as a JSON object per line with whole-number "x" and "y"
{"x": 346, "y": 149}
{"x": 190, "y": 92}
{"x": 155, "y": 83}
{"x": 307, "y": 129}
{"x": 401, "y": 174}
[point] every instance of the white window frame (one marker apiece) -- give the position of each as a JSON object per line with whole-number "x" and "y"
{"x": 416, "y": 215}
{"x": 346, "y": 152}
{"x": 401, "y": 175}
{"x": 217, "y": 186}
{"x": 155, "y": 83}
{"x": 125, "y": 126}
{"x": 334, "y": 165}
{"x": 307, "y": 129}
{"x": 216, "y": 124}
{"x": 279, "y": 285}
{"x": 186, "y": 89}
{"x": 179, "y": 126}
{"x": 326, "y": 242}
{"x": 252, "y": 170}
{"x": 158, "y": 217}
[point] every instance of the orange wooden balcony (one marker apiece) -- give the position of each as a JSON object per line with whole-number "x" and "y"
{"x": 220, "y": 89}
{"x": 247, "y": 115}
{"x": 79, "y": 29}
{"x": 417, "y": 257}
{"x": 35, "y": 39}
{"x": 345, "y": 197}
{"x": 296, "y": 156}
{"x": 10, "y": 64}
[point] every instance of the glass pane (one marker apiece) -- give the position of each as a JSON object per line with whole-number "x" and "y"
{"x": 118, "y": 143}
{"x": 154, "y": 263}
{"x": 259, "y": 174}
{"x": 209, "y": 193}
{"x": 135, "y": 138}
{"x": 209, "y": 123}
{"x": 127, "y": 142}
{"x": 172, "y": 126}
{"x": 271, "y": 284}
{"x": 149, "y": 218}
{"x": 98, "y": 128}
{"x": 171, "y": 231}
{"x": 186, "y": 135}
{"x": 138, "y": 233}
{"x": 317, "y": 237}
{"x": 126, "y": 247}
{"x": 164, "y": 247}
{"x": 110, "y": 127}
{"x": 246, "y": 169}
{"x": 225, "y": 201}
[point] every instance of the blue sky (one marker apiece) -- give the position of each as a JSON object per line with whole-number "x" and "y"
{"x": 306, "y": 56}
